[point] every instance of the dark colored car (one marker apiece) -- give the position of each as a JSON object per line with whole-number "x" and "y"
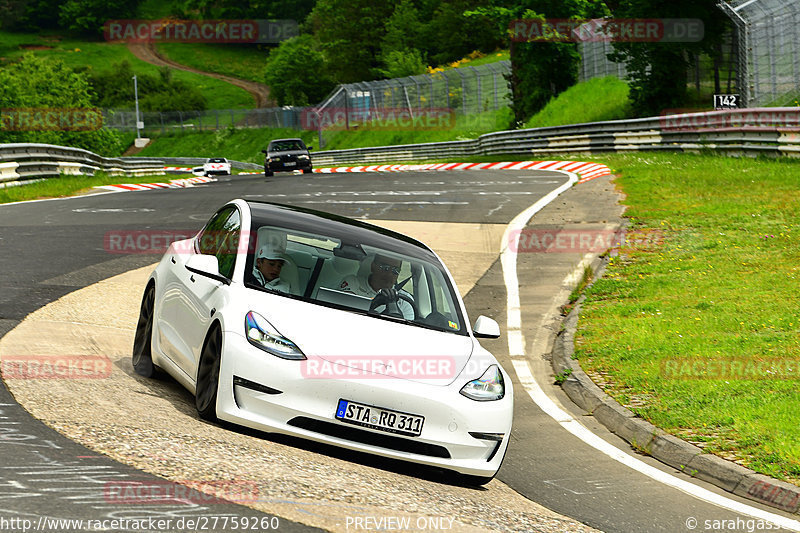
{"x": 286, "y": 155}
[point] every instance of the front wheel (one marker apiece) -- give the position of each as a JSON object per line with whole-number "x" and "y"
{"x": 268, "y": 172}
{"x": 142, "y": 358}
{"x": 307, "y": 171}
{"x": 208, "y": 377}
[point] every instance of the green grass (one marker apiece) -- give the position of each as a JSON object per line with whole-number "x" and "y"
{"x": 712, "y": 277}
{"x": 100, "y": 56}
{"x": 68, "y": 186}
{"x": 590, "y": 101}
{"x": 243, "y": 61}
{"x": 246, "y": 144}
{"x": 239, "y": 145}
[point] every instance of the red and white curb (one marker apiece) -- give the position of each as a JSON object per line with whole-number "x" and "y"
{"x": 173, "y": 184}
{"x": 178, "y": 169}
{"x": 586, "y": 170}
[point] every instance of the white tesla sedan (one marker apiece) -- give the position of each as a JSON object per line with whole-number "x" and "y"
{"x": 295, "y": 321}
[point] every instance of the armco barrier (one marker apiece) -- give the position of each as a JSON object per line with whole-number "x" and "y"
{"x": 198, "y": 161}
{"x": 751, "y": 132}
{"x": 20, "y": 163}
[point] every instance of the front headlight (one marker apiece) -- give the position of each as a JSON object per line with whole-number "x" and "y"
{"x": 302, "y": 156}
{"x": 486, "y": 388}
{"x": 261, "y": 334}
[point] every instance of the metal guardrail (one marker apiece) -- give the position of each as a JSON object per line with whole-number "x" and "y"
{"x": 197, "y": 162}
{"x": 20, "y": 163}
{"x": 760, "y": 131}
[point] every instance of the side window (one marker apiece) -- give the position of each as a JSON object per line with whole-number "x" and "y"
{"x": 220, "y": 238}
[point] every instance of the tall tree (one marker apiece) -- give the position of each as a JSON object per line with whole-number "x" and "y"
{"x": 658, "y": 70}
{"x": 540, "y": 68}
{"x": 350, "y": 33}
{"x": 296, "y": 72}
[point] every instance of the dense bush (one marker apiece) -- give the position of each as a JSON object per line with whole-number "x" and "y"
{"x": 114, "y": 89}
{"x": 43, "y": 101}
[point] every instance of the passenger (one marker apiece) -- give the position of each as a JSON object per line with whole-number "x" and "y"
{"x": 269, "y": 262}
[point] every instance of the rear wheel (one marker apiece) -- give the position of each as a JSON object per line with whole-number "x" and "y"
{"x": 142, "y": 355}
{"x": 208, "y": 376}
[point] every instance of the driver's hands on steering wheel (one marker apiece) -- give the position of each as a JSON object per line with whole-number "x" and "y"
{"x": 388, "y": 295}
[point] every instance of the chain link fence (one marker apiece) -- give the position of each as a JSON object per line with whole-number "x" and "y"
{"x": 768, "y": 35}
{"x": 165, "y": 122}
{"x": 467, "y": 90}
{"x": 595, "y": 62}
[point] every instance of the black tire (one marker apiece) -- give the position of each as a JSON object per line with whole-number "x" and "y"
{"x": 142, "y": 358}
{"x": 307, "y": 171}
{"x": 268, "y": 172}
{"x": 208, "y": 376}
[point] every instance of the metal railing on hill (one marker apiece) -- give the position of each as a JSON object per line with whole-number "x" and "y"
{"x": 749, "y": 132}
{"x": 20, "y": 163}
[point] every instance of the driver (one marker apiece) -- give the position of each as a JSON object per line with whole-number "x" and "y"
{"x": 382, "y": 276}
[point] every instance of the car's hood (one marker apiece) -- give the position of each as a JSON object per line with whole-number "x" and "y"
{"x": 344, "y": 344}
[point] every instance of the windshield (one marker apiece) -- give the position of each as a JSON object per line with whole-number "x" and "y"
{"x": 349, "y": 275}
{"x": 285, "y": 146}
{"x": 217, "y": 160}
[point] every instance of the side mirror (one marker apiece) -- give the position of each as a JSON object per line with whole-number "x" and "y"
{"x": 206, "y": 266}
{"x": 310, "y": 147}
{"x": 486, "y": 328}
{"x": 264, "y": 152}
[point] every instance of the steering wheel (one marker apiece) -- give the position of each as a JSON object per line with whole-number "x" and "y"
{"x": 389, "y": 298}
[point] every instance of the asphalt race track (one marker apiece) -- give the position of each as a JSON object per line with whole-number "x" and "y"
{"x": 53, "y": 248}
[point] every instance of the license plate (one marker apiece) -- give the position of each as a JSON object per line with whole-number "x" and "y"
{"x": 379, "y": 418}
{"x": 289, "y": 164}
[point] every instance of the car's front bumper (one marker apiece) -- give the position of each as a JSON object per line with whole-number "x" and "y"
{"x": 288, "y": 166}
{"x": 278, "y": 396}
